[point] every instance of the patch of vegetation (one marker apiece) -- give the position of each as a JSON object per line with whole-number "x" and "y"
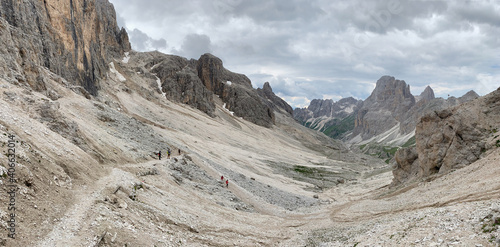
{"x": 320, "y": 176}
{"x": 311, "y": 125}
{"x": 497, "y": 143}
{"x": 138, "y": 186}
{"x": 339, "y": 128}
{"x": 490, "y": 224}
{"x": 391, "y": 151}
{"x": 492, "y": 239}
{"x": 411, "y": 142}
{"x": 303, "y": 169}
{"x": 386, "y": 153}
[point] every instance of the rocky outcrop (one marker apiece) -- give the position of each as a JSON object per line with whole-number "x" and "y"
{"x": 195, "y": 82}
{"x": 235, "y": 90}
{"x": 471, "y": 95}
{"x": 386, "y": 107}
{"x": 215, "y": 77}
{"x": 274, "y": 102}
{"x": 428, "y": 104}
{"x": 179, "y": 80}
{"x": 74, "y": 39}
{"x": 450, "y": 139}
{"x": 426, "y": 95}
{"x": 335, "y": 119}
{"x": 327, "y": 108}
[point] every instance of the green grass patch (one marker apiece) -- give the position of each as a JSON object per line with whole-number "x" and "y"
{"x": 304, "y": 169}
{"x": 411, "y": 142}
{"x": 339, "y": 128}
{"x": 391, "y": 150}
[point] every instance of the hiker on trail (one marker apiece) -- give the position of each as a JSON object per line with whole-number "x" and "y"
{"x": 221, "y": 178}
{"x": 159, "y": 155}
{"x": 227, "y": 183}
{"x": 179, "y": 151}
{"x": 168, "y": 153}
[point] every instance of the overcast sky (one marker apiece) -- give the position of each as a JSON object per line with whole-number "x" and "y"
{"x": 329, "y": 49}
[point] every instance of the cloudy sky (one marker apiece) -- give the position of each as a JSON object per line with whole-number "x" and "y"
{"x": 329, "y": 49}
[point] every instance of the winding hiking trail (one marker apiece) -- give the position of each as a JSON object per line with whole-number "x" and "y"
{"x": 70, "y": 229}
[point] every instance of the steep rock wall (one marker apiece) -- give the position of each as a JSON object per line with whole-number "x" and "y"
{"x": 75, "y": 39}
{"x": 451, "y": 139}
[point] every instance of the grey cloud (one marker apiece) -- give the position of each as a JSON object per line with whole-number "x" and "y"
{"x": 120, "y": 21}
{"x": 194, "y": 46}
{"x": 381, "y": 16}
{"x": 478, "y": 13}
{"x": 140, "y": 41}
{"x": 282, "y": 11}
{"x": 152, "y": 10}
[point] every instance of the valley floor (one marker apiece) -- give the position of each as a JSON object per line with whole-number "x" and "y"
{"x": 193, "y": 208}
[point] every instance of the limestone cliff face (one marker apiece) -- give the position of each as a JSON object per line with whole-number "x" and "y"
{"x": 195, "y": 82}
{"x": 75, "y": 39}
{"x": 335, "y": 119}
{"x": 328, "y": 108}
{"x": 387, "y": 105}
{"x": 427, "y": 94}
{"x": 179, "y": 80}
{"x": 235, "y": 90}
{"x": 273, "y": 101}
{"x": 451, "y": 138}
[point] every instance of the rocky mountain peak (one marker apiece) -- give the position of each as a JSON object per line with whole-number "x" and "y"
{"x": 235, "y": 90}
{"x": 267, "y": 87}
{"x": 390, "y": 89}
{"x": 427, "y": 94}
{"x": 273, "y": 101}
{"x": 468, "y": 96}
{"x": 321, "y": 107}
{"x": 213, "y": 74}
{"x": 387, "y": 105}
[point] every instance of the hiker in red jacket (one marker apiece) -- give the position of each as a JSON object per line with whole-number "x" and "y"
{"x": 227, "y": 183}
{"x": 221, "y": 178}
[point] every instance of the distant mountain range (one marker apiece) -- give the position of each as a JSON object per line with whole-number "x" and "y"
{"x": 387, "y": 117}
